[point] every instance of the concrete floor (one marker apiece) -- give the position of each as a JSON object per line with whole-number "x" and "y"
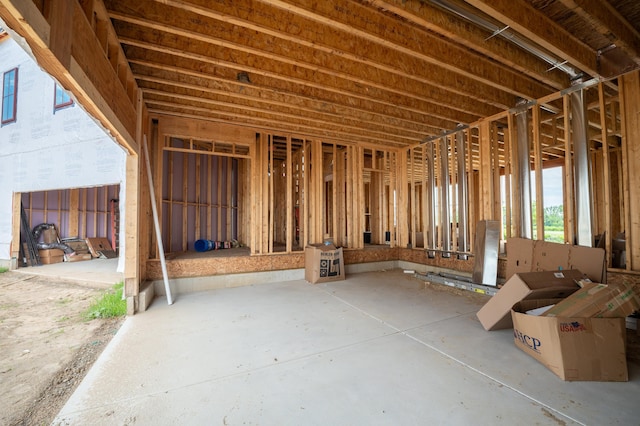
{"x": 376, "y": 349}
{"x": 94, "y": 270}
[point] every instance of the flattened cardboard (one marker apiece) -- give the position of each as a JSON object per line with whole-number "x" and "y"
{"x": 99, "y": 245}
{"x": 496, "y": 313}
{"x": 587, "y": 349}
{"x": 598, "y": 301}
{"x": 525, "y": 255}
{"x": 550, "y": 256}
{"x": 322, "y": 263}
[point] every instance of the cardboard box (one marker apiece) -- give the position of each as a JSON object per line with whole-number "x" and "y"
{"x": 572, "y": 348}
{"x": 50, "y": 256}
{"x": 496, "y": 313}
{"x": 50, "y": 235}
{"x": 525, "y": 255}
{"x": 598, "y": 301}
{"x": 323, "y": 263}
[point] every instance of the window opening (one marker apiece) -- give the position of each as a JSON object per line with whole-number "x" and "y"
{"x": 9, "y": 96}
{"x": 61, "y": 98}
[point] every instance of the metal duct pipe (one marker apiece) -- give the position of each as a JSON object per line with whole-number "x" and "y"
{"x": 445, "y": 217}
{"x": 582, "y": 169}
{"x": 60, "y": 246}
{"x": 524, "y": 174}
{"x": 431, "y": 202}
{"x": 463, "y": 195}
{"x": 509, "y": 35}
{"x": 37, "y": 230}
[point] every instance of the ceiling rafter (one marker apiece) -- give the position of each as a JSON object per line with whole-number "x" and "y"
{"x": 357, "y": 20}
{"x": 284, "y": 111}
{"x": 525, "y": 19}
{"x": 609, "y": 23}
{"x": 169, "y": 107}
{"x": 419, "y": 82}
{"x": 153, "y": 72}
{"x": 435, "y": 19}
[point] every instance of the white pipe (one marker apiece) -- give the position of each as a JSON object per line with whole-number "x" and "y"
{"x": 167, "y": 289}
{"x": 445, "y": 203}
{"x": 582, "y": 169}
{"x": 463, "y": 191}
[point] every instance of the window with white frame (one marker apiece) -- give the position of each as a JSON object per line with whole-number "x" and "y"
{"x": 9, "y": 96}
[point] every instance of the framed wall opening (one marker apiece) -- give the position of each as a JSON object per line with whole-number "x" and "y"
{"x": 76, "y": 214}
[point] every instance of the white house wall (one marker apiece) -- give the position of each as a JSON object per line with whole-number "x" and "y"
{"x": 44, "y": 150}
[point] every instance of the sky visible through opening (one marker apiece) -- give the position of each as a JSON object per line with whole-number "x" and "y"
{"x": 551, "y": 186}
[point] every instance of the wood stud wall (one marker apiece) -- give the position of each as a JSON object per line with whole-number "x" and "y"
{"x": 279, "y": 193}
{"x": 492, "y": 166}
{"x": 78, "y": 212}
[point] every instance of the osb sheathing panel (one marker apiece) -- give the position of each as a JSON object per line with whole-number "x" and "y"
{"x": 370, "y": 255}
{"x": 183, "y": 268}
{"x": 420, "y": 256}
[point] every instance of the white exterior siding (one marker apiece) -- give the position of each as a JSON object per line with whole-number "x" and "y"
{"x": 44, "y": 150}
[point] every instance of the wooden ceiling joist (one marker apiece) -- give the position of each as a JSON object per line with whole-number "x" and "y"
{"x": 378, "y": 72}
{"x": 535, "y": 26}
{"x": 296, "y": 61}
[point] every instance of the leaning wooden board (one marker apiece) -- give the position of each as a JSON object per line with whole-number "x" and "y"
{"x": 99, "y": 246}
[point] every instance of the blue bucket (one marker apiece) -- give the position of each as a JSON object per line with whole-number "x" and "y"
{"x": 204, "y": 245}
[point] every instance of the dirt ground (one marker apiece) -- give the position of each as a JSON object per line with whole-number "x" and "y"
{"x": 46, "y": 347}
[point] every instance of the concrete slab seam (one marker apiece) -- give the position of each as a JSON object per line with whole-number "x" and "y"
{"x": 446, "y": 355}
{"x": 237, "y": 374}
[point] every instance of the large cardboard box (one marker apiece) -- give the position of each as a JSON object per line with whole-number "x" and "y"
{"x": 496, "y": 313}
{"x": 322, "y": 263}
{"x": 573, "y": 348}
{"x": 525, "y": 255}
{"x": 50, "y": 256}
{"x": 599, "y": 301}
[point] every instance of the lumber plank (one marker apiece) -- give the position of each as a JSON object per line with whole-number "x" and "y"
{"x": 606, "y": 171}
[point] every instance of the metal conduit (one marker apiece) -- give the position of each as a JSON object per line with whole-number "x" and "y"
{"x": 582, "y": 169}
{"x": 463, "y": 196}
{"x": 445, "y": 216}
{"x": 524, "y": 175}
{"x": 509, "y": 35}
{"x": 431, "y": 240}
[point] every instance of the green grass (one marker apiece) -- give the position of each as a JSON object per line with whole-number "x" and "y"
{"x": 109, "y": 305}
{"x": 3, "y": 269}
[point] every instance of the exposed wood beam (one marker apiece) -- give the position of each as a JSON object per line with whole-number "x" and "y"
{"x": 609, "y": 23}
{"x": 418, "y": 79}
{"x": 339, "y": 106}
{"x": 323, "y": 71}
{"x": 352, "y": 18}
{"x": 184, "y": 97}
{"x": 532, "y": 24}
{"x": 301, "y": 131}
{"x": 498, "y": 49}
{"x": 140, "y": 46}
{"x": 290, "y": 112}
